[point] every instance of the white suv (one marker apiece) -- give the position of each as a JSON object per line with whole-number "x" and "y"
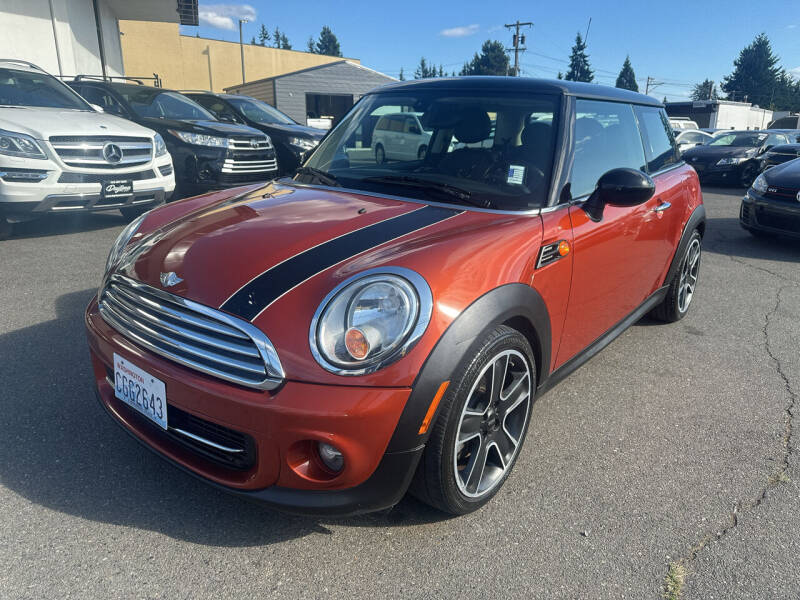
{"x": 400, "y": 136}
{"x": 58, "y": 153}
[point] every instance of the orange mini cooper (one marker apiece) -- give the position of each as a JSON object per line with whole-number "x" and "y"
{"x": 382, "y": 321}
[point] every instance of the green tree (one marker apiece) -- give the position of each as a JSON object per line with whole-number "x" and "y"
{"x": 706, "y": 90}
{"x": 253, "y": 41}
{"x": 310, "y": 47}
{"x": 755, "y": 73}
{"x": 285, "y": 43}
{"x": 327, "y": 43}
{"x": 627, "y": 78}
{"x": 560, "y": 75}
{"x": 579, "y": 69}
{"x": 263, "y": 35}
{"x": 441, "y": 71}
{"x": 492, "y": 60}
{"x": 423, "y": 71}
{"x": 402, "y": 76}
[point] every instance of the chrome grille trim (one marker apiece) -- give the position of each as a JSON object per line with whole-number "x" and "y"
{"x": 191, "y": 334}
{"x": 232, "y": 165}
{"x": 87, "y": 151}
{"x": 238, "y": 143}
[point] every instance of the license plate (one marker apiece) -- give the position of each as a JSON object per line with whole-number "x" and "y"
{"x": 140, "y": 390}
{"x": 118, "y": 188}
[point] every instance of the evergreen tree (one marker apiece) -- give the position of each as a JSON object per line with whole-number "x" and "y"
{"x": 579, "y": 69}
{"x": 276, "y": 38}
{"x": 560, "y": 75}
{"x": 664, "y": 101}
{"x": 402, "y": 76}
{"x": 627, "y": 78}
{"x": 755, "y": 73}
{"x": 285, "y": 44}
{"x": 441, "y": 71}
{"x": 492, "y": 60}
{"x": 310, "y": 47}
{"x": 704, "y": 91}
{"x": 328, "y": 44}
{"x": 423, "y": 71}
{"x": 263, "y": 35}
{"x": 253, "y": 41}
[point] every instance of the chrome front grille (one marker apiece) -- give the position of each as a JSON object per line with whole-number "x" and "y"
{"x": 191, "y": 334}
{"x": 259, "y": 165}
{"x": 88, "y": 151}
{"x": 250, "y": 143}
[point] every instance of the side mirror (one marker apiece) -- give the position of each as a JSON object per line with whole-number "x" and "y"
{"x": 619, "y": 187}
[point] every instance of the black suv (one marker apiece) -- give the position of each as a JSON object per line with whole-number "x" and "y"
{"x": 292, "y": 140}
{"x": 207, "y": 153}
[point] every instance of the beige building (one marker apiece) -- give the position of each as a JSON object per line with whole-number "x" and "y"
{"x": 186, "y": 62}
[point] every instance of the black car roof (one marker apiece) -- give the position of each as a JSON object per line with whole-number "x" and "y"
{"x": 524, "y": 84}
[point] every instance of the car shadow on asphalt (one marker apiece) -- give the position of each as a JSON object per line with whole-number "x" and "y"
{"x": 61, "y": 450}
{"x": 60, "y": 224}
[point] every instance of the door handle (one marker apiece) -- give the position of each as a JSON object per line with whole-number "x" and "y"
{"x": 662, "y": 207}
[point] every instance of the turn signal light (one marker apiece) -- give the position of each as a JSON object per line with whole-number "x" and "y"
{"x": 356, "y": 343}
{"x": 563, "y": 248}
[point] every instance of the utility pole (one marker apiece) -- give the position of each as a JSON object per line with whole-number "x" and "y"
{"x": 711, "y": 91}
{"x": 241, "y": 44}
{"x": 651, "y": 83}
{"x": 518, "y": 40}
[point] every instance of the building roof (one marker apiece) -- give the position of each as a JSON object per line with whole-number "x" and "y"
{"x": 525, "y": 84}
{"x": 314, "y": 68}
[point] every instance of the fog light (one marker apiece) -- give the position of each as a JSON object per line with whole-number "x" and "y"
{"x": 331, "y": 456}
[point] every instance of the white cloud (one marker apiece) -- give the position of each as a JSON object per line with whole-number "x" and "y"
{"x": 795, "y": 72}
{"x": 460, "y": 31}
{"x": 225, "y": 16}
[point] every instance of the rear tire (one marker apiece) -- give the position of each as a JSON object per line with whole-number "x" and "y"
{"x": 6, "y": 228}
{"x": 133, "y": 212}
{"x": 479, "y": 433}
{"x": 380, "y": 154}
{"x": 683, "y": 284}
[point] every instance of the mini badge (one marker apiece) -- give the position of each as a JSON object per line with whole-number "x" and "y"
{"x": 516, "y": 174}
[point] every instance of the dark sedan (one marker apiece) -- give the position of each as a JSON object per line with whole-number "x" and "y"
{"x": 780, "y": 154}
{"x": 772, "y": 205}
{"x": 733, "y": 157}
{"x": 292, "y": 141}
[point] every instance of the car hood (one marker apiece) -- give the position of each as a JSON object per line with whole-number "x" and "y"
{"x": 43, "y": 123}
{"x": 786, "y": 175}
{"x": 717, "y": 152}
{"x": 300, "y": 130}
{"x": 234, "y": 254}
{"x": 206, "y": 127}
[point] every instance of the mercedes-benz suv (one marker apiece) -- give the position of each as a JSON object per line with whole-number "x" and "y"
{"x": 60, "y": 154}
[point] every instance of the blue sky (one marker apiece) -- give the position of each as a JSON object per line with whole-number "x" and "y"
{"x": 676, "y": 44}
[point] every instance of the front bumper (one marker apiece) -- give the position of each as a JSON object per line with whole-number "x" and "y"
{"x": 720, "y": 173}
{"x": 772, "y": 215}
{"x": 77, "y": 190}
{"x": 201, "y": 169}
{"x": 283, "y": 425}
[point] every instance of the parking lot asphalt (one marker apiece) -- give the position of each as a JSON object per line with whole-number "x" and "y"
{"x": 670, "y": 455}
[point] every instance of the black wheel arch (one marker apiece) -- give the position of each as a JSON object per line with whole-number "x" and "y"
{"x": 697, "y": 220}
{"x": 515, "y": 304}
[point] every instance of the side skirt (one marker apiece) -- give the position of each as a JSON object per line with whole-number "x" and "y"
{"x": 604, "y": 340}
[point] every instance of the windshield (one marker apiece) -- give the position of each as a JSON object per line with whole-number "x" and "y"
{"x": 491, "y": 149}
{"x": 30, "y": 88}
{"x": 152, "y": 102}
{"x": 745, "y": 139}
{"x": 260, "y": 112}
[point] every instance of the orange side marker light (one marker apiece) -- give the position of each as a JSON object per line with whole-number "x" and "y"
{"x": 563, "y": 248}
{"x": 432, "y": 408}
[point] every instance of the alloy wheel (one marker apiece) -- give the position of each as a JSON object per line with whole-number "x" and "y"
{"x": 492, "y": 423}
{"x": 689, "y": 272}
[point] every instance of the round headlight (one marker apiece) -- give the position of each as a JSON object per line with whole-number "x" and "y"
{"x": 370, "y": 320}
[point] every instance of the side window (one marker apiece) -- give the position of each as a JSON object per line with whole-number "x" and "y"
{"x": 693, "y": 138}
{"x": 103, "y": 99}
{"x": 774, "y": 139}
{"x": 220, "y": 109}
{"x": 397, "y": 124}
{"x": 606, "y": 137}
{"x": 383, "y": 124}
{"x": 659, "y": 143}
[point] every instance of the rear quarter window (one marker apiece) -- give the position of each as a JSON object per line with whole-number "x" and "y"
{"x": 659, "y": 142}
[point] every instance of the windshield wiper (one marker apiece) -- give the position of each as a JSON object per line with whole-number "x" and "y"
{"x": 426, "y": 184}
{"x": 322, "y": 176}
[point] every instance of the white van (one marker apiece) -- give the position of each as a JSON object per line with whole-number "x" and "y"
{"x": 400, "y": 136}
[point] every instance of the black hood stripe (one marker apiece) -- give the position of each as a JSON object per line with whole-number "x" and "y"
{"x": 249, "y": 301}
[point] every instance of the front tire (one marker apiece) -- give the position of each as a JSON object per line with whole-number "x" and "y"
{"x": 485, "y": 413}
{"x": 380, "y": 154}
{"x": 683, "y": 284}
{"x": 748, "y": 175}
